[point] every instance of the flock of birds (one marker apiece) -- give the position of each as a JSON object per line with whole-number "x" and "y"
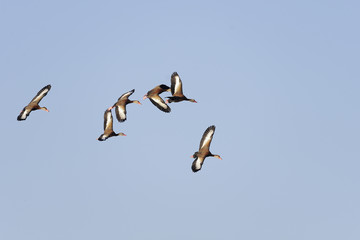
{"x": 120, "y": 111}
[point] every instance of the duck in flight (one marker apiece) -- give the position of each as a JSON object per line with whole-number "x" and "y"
{"x": 177, "y": 91}
{"x": 120, "y": 105}
{"x": 154, "y": 97}
{"x": 108, "y": 127}
{"x": 34, "y": 104}
{"x": 204, "y": 150}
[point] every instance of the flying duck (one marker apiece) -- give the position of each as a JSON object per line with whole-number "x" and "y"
{"x": 176, "y": 90}
{"x": 34, "y": 104}
{"x": 108, "y": 127}
{"x": 204, "y": 151}
{"x": 120, "y": 105}
{"x": 154, "y": 97}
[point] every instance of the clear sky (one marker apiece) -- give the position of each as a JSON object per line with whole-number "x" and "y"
{"x": 279, "y": 79}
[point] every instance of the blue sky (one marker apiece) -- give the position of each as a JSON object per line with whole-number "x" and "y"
{"x": 279, "y": 79}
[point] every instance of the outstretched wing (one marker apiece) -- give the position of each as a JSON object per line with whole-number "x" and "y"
{"x": 207, "y": 137}
{"x": 197, "y": 164}
{"x": 126, "y": 95}
{"x": 160, "y": 104}
{"x": 108, "y": 120}
{"x": 163, "y": 88}
{"x": 120, "y": 106}
{"x": 24, "y": 114}
{"x": 120, "y": 112}
{"x": 176, "y": 84}
{"x": 42, "y": 93}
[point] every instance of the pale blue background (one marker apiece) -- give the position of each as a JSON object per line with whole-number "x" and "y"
{"x": 279, "y": 79}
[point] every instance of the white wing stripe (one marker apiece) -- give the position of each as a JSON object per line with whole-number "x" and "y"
{"x": 127, "y": 94}
{"x": 177, "y": 84}
{"x": 198, "y": 164}
{"x": 108, "y": 119}
{"x": 41, "y": 95}
{"x": 121, "y": 112}
{"x": 207, "y": 138}
{"x": 23, "y": 115}
{"x": 161, "y": 103}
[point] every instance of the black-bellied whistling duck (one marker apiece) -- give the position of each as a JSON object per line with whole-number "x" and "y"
{"x": 176, "y": 90}
{"x": 108, "y": 127}
{"x": 204, "y": 151}
{"x": 120, "y": 105}
{"x": 34, "y": 104}
{"x": 154, "y": 97}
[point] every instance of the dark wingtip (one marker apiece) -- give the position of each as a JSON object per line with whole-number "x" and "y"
{"x": 167, "y": 110}
{"x": 19, "y": 118}
{"x": 48, "y": 86}
{"x": 163, "y": 86}
{"x": 193, "y": 168}
{"x": 174, "y": 74}
{"x": 212, "y": 127}
{"x": 100, "y": 138}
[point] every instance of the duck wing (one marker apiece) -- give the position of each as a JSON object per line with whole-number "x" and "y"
{"x": 160, "y": 103}
{"x": 207, "y": 137}
{"x": 108, "y": 120}
{"x": 120, "y": 111}
{"x": 126, "y": 95}
{"x": 197, "y": 164}
{"x": 42, "y": 93}
{"x": 176, "y": 85}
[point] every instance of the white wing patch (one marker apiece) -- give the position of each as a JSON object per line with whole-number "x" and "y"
{"x": 24, "y": 114}
{"x": 197, "y": 164}
{"x": 121, "y": 112}
{"x": 161, "y": 103}
{"x": 177, "y": 84}
{"x": 207, "y": 138}
{"x": 41, "y": 95}
{"x": 108, "y": 119}
{"x": 126, "y": 95}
